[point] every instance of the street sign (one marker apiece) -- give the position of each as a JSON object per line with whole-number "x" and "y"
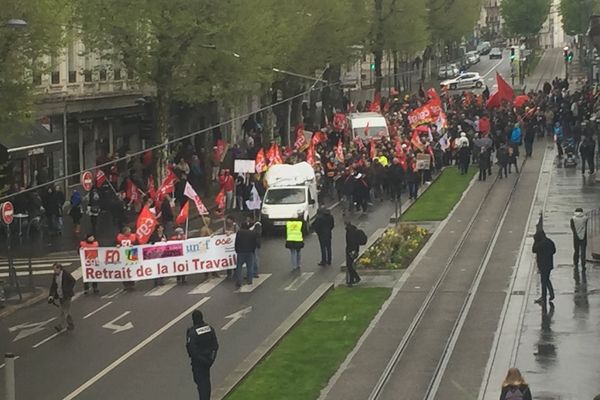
{"x": 87, "y": 180}
{"x": 7, "y": 211}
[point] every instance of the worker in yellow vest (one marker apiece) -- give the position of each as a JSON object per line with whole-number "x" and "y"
{"x": 294, "y": 240}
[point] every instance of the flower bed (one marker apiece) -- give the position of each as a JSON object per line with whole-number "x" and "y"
{"x": 395, "y": 249}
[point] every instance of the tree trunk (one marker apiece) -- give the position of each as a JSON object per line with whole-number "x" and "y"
{"x": 162, "y": 108}
{"x": 378, "y": 45}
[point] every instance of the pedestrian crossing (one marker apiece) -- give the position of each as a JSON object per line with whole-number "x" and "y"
{"x": 39, "y": 266}
{"x": 294, "y": 283}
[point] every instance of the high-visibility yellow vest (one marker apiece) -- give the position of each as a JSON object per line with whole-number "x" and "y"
{"x": 294, "y": 231}
{"x": 383, "y": 161}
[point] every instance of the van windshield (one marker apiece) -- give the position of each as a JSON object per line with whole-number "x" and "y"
{"x": 372, "y": 131}
{"x": 285, "y": 196}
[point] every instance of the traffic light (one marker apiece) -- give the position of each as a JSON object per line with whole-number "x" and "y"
{"x": 512, "y": 54}
{"x": 570, "y": 57}
{"x": 372, "y": 66}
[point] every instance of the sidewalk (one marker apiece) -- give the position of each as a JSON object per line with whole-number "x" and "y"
{"x": 557, "y": 348}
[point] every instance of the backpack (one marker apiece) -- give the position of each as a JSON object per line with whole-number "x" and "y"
{"x": 361, "y": 237}
{"x": 514, "y": 393}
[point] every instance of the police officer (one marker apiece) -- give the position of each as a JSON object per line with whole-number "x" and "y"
{"x": 294, "y": 240}
{"x": 202, "y": 348}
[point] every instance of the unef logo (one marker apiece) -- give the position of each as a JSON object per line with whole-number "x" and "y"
{"x": 131, "y": 254}
{"x": 197, "y": 248}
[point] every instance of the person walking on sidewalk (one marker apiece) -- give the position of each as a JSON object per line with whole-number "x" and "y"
{"x": 61, "y": 293}
{"x": 323, "y": 226}
{"x": 579, "y": 223}
{"x": 245, "y": 246}
{"x": 514, "y": 386}
{"x": 90, "y": 242}
{"x": 587, "y": 150}
{"x": 75, "y": 212}
{"x": 544, "y": 250}
{"x": 354, "y": 239}
{"x": 484, "y": 163}
{"x": 93, "y": 209}
{"x": 294, "y": 240}
{"x": 502, "y": 157}
{"x": 202, "y": 346}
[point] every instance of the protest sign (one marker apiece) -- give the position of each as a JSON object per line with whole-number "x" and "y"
{"x": 163, "y": 259}
{"x": 423, "y": 161}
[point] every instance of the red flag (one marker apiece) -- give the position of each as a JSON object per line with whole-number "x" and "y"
{"x": 310, "y": 154}
{"x": 274, "y": 155}
{"x": 131, "y": 191}
{"x": 340, "y": 122}
{"x": 376, "y": 104}
{"x": 504, "y": 89}
{"x": 100, "y": 178}
{"x": 260, "y": 162}
{"x": 167, "y": 186}
{"x": 146, "y": 223}
{"x": 416, "y": 141}
{"x": 220, "y": 199}
{"x": 191, "y": 194}
{"x": 339, "y": 151}
{"x": 300, "y": 138}
{"x": 184, "y": 214}
{"x": 150, "y": 188}
{"x": 373, "y": 149}
{"x": 318, "y": 137}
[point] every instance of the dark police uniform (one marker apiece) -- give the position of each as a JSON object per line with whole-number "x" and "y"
{"x": 202, "y": 348}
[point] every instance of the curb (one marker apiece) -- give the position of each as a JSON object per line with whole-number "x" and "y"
{"x": 245, "y": 367}
{"x": 9, "y": 310}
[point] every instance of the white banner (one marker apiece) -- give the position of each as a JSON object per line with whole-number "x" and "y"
{"x": 163, "y": 259}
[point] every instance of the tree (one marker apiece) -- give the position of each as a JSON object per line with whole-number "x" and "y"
{"x": 450, "y": 20}
{"x": 185, "y": 50}
{"x": 576, "y": 14}
{"x": 525, "y": 18}
{"x": 27, "y": 50}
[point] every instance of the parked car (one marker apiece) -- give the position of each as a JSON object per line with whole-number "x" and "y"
{"x": 484, "y": 48}
{"x": 472, "y": 57}
{"x": 463, "y": 81}
{"x": 496, "y": 53}
{"x": 448, "y": 71}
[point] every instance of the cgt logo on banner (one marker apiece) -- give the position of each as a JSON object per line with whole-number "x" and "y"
{"x": 191, "y": 256}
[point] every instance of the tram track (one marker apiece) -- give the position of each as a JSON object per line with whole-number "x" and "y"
{"x": 426, "y": 346}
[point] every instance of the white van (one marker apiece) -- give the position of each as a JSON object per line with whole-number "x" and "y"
{"x": 291, "y": 193}
{"x": 376, "y": 123}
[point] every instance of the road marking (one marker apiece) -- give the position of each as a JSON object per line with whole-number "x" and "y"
{"x": 235, "y": 317}
{"x": 28, "y": 329}
{"x": 113, "y": 294}
{"x": 207, "y": 286}
{"x": 118, "y": 328}
{"x": 493, "y": 68}
{"x": 102, "y": 307}
{"x": 134, "y": 350}
{"x": 160, "y": 290}
{"x": 4, "y": 364}
{"x": 49, "y": 338}
{"x": 299, "y": 281}
{"x": 256, "y": 282}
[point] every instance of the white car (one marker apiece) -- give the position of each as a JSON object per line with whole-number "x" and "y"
{"x": 448, "y": 71}
{"x": 466, "y": 80}
{"x": 472, "y": 57}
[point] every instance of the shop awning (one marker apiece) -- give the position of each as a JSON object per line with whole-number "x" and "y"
{"x": 29, "y": 138}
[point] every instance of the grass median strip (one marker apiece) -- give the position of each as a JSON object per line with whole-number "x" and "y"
{"x": 301, "y": 365}
{"x": 437, "y": 201}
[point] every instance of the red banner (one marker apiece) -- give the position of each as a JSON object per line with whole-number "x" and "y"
{"x": 340, "y": 122}
{"x": 274, "y": 155}
{"x": 184, "y": 213}
{"x": 300, "y": 139}
{"x": 100, "y": 178}
{"x": 260, "y": 162}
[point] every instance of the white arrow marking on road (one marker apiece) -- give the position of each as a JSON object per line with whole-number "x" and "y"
{"x": 118, "y": 328}
{"x": 28, "y": 329}
{"x": 235, "y": 317}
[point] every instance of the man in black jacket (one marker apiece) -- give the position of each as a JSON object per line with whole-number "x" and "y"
{"x": 354, "y": 239}
{"x": 246, "y": 242}
{"x": 323, "y": 226}
{"x": 202, "y": 346}
{"x": 61, "y": 292}
{"x": 544, "y": 250}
